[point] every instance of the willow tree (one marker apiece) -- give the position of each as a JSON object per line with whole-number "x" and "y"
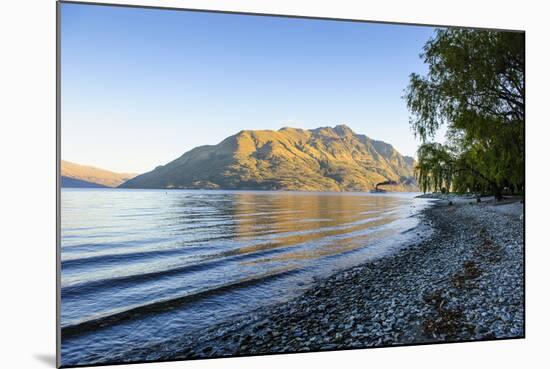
{"x": 475, "y": 85}
{"x": 435, "y": 168}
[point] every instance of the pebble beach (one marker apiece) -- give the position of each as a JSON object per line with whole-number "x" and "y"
{"x": 463, "y": 282}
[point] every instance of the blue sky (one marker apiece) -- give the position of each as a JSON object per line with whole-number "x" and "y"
{"x": 142, "y": 86}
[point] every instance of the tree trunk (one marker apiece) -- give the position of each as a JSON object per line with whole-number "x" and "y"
{"x": 497, "y": 190}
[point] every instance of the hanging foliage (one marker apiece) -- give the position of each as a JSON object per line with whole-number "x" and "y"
{"x": 475, "y": 86}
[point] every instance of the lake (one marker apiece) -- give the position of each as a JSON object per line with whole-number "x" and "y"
{"x": 139, "y": 267}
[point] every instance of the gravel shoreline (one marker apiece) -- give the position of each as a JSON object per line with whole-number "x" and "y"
{"x": 464, "y": 282}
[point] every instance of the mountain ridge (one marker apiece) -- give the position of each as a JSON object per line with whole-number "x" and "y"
{"x": 78, "y": 175}
{"x": 321, "y": 159}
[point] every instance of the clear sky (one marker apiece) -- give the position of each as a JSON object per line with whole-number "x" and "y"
{"x": 142, "y": 86}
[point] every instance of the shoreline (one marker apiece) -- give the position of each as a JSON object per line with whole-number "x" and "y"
{"x": 463, "y": 283}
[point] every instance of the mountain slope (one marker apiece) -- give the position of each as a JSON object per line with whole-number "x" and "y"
{"x": 78, "y": 183}
{"x": 76, "y": 175}
{"x": 323, "y": 159}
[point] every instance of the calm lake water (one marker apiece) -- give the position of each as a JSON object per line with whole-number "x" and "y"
{"x": 144, "y": 266}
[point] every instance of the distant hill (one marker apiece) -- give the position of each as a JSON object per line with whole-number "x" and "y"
{"x": 73, "y": 182}
{"x": 76, "y": 175}
{"x": 322, "y": 159}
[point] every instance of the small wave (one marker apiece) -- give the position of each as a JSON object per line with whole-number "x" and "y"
{"x": 160, "y": 306}
{"x": 127, "y": 257}
{"x": 78, "y": 289}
